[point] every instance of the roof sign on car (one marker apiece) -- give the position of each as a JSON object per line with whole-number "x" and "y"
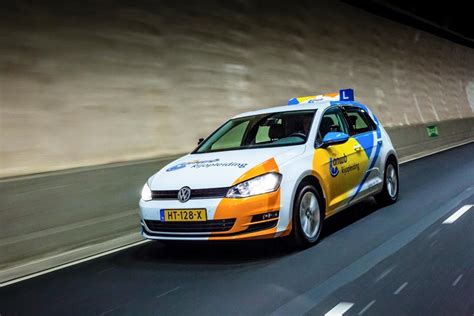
{"x": 346, "y": 95}
{"x": 343, "y": 95}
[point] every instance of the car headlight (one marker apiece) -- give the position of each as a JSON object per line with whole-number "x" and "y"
{"x": 268, "y": 182}
{"x": 146, "y": 193}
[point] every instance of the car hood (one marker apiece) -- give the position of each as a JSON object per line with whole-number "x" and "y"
{"x": 218, "y": 169}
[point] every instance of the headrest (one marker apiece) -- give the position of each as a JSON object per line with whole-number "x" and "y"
{"x": 326, "y": 124}
{"x": 276, "y": 131}
{"x": 352, "y": 120}
{"x": 327, "y": 121}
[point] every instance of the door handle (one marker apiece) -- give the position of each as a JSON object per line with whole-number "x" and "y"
{"x": 357, "y": 147}
{"x": 379, "y": 142}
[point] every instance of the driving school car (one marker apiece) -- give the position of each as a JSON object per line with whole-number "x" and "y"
{"x": 274, "y": 172}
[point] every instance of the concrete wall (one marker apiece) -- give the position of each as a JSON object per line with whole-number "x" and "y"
{"x": 89, "y": 82}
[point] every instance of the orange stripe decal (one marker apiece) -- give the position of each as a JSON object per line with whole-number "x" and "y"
{"x": 242, "y": 209}
{"x": 265, "y": 167}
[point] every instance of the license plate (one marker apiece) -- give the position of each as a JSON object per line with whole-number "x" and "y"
{"x": 195, "y": 215}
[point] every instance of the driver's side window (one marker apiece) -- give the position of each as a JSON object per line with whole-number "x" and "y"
{"x": 332, "y": 121}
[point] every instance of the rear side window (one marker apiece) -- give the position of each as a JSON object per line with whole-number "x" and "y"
{"x": 359, "y": 120}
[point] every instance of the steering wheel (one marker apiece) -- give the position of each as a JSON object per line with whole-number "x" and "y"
{"x": 298, "y": 134}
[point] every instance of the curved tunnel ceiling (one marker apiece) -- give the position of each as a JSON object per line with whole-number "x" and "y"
{"x": 452, "y": 21}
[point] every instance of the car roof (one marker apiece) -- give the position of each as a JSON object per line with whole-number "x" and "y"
{"x": 321, "y": 105}
{"x": 286, "y": 108}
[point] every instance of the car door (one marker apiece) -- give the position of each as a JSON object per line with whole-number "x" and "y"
{"x": 363, "y": 130}
{"x": 340, "y": 167}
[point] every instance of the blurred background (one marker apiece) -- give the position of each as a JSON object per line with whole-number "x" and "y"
{"x": 94, "y": 82}
{"x": 95, "y": 96}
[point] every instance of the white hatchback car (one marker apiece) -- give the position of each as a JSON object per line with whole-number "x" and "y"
{"x": 275, "y": 172}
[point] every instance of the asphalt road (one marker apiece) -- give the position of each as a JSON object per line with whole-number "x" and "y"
{"x": 396, "y": 260}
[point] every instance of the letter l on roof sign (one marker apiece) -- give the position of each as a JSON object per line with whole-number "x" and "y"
{"x": 346, "y": 95}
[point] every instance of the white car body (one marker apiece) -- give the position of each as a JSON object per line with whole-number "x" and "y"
{"x": 359, "y": 173}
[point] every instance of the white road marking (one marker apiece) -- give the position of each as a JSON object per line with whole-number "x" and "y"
{"x": 339, "y": 309}
{"x": 457, "y": 280}
{"x": 400, "y": 288}
{"x": 307, "y": 300}
{"x": 107, "y": 269}
{"x": 433, "y": 233}
{"x": 168, "y": 292}
{"x": 366, "y": 307}
{"x": 107, "y": 311}
{"x": 454, "y": 217}
{"x": 384, "y": 274}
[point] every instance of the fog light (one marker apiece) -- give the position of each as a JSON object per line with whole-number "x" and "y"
{"x": 265, "y": 216}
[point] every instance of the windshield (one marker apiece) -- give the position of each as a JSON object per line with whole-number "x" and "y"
{"x": 263, "y": 130}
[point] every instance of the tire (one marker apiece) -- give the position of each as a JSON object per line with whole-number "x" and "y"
{"x": 308, "y": 216}
{"x": 389, "y": 193}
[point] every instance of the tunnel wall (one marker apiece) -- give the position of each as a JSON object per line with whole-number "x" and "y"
{"x": 84, "y": 85}
{"x": 94, "y": 82}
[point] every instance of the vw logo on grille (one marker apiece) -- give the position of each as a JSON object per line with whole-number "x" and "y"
{"x": 184, "y": 194}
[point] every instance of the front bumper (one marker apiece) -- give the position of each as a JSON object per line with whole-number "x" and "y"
{"x": 254, "y": 217}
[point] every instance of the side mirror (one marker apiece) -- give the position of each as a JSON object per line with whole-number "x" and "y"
{"x": 200, "y": 140}
{"x": 334, "y": 138}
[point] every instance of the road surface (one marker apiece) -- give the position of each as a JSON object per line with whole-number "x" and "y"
{"x": 411, "y": 258}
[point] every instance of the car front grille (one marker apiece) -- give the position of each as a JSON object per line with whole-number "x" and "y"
{"x": 195, "y": 194}
{"x": 217, "y": 225}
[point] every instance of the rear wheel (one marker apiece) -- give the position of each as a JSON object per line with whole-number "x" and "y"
{"x": 308, "y": 216}
{"x": 389, "y": 192}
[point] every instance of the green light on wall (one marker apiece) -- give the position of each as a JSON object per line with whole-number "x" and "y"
{"x": 432, "y": 131}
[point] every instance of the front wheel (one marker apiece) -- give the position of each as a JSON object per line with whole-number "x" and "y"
{"x": 389, "y": 194}
{"x": 308, "y": 216}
